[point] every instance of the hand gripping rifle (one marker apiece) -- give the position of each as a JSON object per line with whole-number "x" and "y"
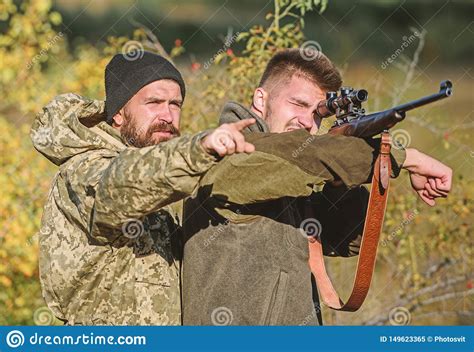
{"x": 351, "y": 120}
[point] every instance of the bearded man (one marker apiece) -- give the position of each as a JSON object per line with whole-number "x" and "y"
{"x": 110, "y": 248}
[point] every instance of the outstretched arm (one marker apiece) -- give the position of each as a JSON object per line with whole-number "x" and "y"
{"x": 290, "y": 164}
{"x": 108, "y": 182}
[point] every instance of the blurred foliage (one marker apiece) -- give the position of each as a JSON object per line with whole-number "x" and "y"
{"x": 426, "y": 253}
{"x": 24, "y": 191}
{"x": 342, "y": 28}
{"x": 23, "y": 47}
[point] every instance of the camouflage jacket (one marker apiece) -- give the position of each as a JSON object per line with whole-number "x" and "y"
{"x": 109, "y": 245}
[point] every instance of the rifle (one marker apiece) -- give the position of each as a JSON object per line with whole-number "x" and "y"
{"x": 351, "y": 120}
{"x": 350, "y": 116}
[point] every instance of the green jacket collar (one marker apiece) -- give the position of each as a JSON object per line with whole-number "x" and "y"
{"x": 234, "y": 112}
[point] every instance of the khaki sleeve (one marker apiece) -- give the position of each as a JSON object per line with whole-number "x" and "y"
{"x": 290, "y": 164}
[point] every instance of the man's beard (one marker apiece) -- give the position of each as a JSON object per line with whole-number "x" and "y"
{"x": 134, "y": 136}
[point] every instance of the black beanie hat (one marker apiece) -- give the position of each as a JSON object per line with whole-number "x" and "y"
{"x": 126, "y": 74}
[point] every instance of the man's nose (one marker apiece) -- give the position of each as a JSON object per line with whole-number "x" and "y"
{"x": 165, "y": 115}
{"x": 306, "y": 121}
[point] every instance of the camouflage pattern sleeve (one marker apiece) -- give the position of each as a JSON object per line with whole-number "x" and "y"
{"x": 141, "y": 180}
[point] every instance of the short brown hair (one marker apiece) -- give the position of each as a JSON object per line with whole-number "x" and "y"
{"x": 314, "y": 66}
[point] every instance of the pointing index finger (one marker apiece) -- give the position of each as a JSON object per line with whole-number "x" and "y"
{"x": 240, "y": 125}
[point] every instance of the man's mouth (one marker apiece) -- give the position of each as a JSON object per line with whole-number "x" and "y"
{"x": 164, "y": 133}
{"x": 293, "y": 128}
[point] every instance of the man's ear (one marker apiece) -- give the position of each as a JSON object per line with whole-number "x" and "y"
{"x": 118, "y": 119}
{"x": 259, "y": 103}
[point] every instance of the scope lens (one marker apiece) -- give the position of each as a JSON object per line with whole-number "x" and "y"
{"x": 362, "y": 95}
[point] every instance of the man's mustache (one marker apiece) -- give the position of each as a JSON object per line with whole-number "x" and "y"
{"x": 164, "y": 127}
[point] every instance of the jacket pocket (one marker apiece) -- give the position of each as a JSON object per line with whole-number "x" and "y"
{"x": 278, "y": 300}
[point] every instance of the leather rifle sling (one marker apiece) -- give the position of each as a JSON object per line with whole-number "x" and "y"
{"x": 370, "y": 238}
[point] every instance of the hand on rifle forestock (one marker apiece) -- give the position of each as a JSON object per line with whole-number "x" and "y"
{"x": 429, "y": 177}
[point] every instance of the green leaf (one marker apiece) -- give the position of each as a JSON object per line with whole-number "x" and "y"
{"x": 55, "y": 18}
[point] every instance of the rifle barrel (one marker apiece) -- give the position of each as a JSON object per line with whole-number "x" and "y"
{"x": 445, "y": 91}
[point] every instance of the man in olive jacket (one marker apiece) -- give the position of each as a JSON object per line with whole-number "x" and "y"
{"x": 245, "y": 256}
